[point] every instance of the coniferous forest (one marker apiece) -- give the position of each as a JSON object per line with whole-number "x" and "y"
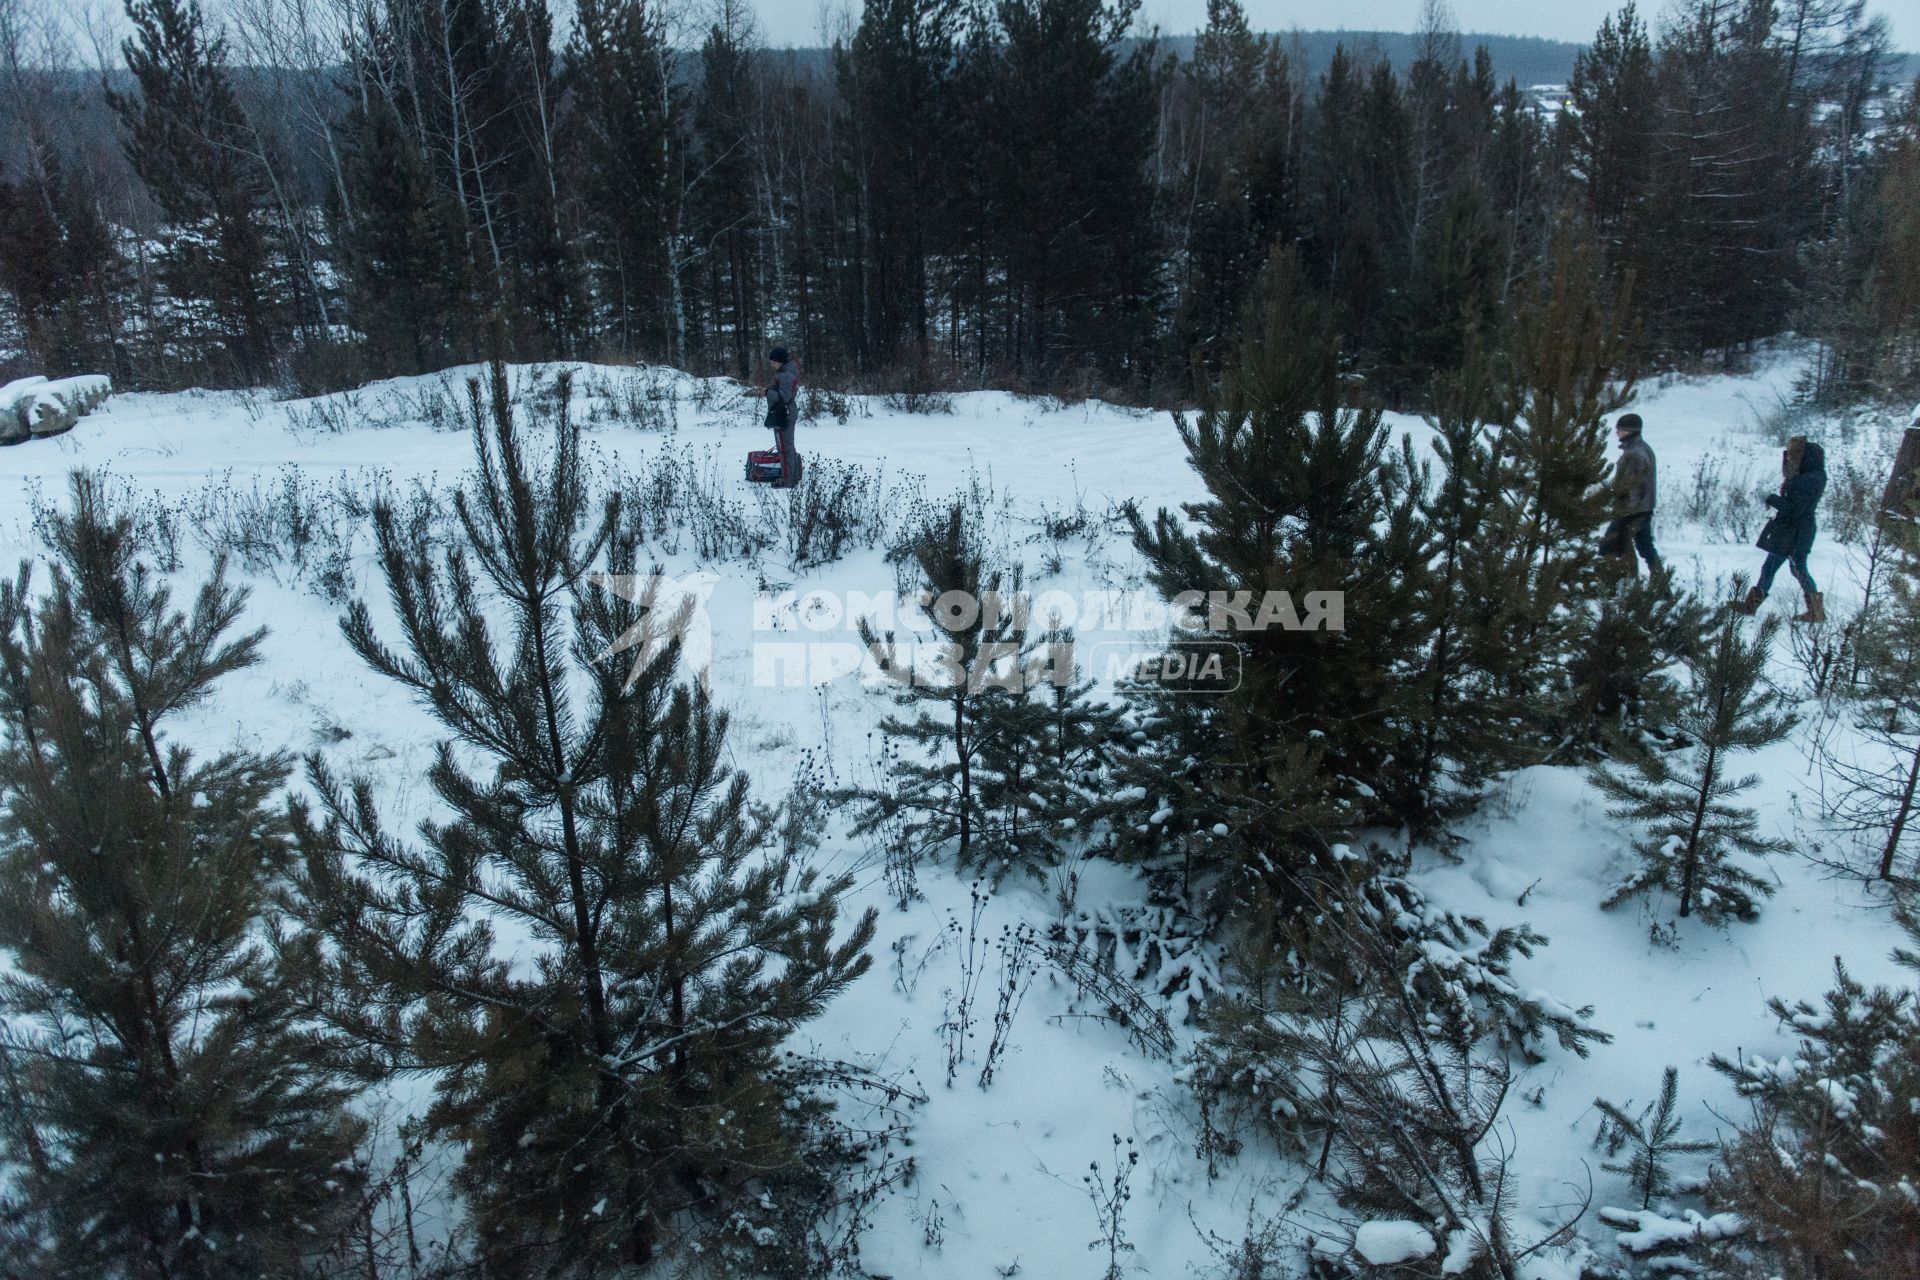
{"x": 235, "y": 197}
{"x": 411, "y": 870}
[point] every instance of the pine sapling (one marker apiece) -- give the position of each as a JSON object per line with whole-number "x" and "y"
{"x": 1654, "y": 1139}
{"x": 1692, "y": 829}
{"x": 588, "y": 803}
{"x": 171, "y": 1111}
{"x": 968, "y": 701}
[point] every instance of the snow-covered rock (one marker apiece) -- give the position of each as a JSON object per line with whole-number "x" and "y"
{"x": 1383, "y": 1244}
{"x": 44, "y": 413}
{"x": 38, "y": 407}
{"x": 12, "y": 427}
{"x": 83, "y": 391}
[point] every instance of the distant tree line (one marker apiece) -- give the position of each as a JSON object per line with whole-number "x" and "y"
{"x": 1018, "y": 193}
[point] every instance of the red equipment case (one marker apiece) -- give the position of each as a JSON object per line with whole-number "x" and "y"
{"x": 764, "y": 467}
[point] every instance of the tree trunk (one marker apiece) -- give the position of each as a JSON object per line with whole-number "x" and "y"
{"x": 1903, "y": 487}
{"x": 966, "y": 770}
{"x": 1692, "y": 851}
{"x": 1904, "y": 812}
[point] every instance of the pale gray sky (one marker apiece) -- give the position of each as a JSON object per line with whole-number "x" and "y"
{"x": 800, "y": 22}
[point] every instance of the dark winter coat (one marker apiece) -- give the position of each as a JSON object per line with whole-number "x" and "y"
{"x": 781, "y": 396}
{"x": 1635, "y": 482}
{"x": 1790, "y": 532}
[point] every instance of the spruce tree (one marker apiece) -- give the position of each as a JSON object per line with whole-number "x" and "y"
{"x": 1693, "y": 830}
{"x": 624, "y": 126}
{"x": 189, "y": 142}
{"x": 171, "y": 1112}
{"x": 620, "y": 1098}
{"x": 401, "y": 227}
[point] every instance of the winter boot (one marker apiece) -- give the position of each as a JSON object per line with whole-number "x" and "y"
{"x": 1816, "y": 608}
{"x": 1751, "y": 605}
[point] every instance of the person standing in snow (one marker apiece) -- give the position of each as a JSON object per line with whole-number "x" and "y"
{"x": 1788, "y": 537}
{"x": 782, "y": 412}
{"x": 1635, "y": 486}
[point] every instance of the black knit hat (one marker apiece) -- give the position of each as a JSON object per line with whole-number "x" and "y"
{"x": 778, "y": 355}
{"x": 1627, "y": 422}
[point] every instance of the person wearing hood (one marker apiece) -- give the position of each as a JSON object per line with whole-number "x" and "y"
{"x": 1788, "y": 537}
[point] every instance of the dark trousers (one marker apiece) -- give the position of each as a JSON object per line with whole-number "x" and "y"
{"x": 1797, "y": 564}
{"x": 1629, "y": 534}
{"x": 789, "y": 457}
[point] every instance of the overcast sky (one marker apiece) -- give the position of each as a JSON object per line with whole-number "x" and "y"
{"x": 785, "y": 22}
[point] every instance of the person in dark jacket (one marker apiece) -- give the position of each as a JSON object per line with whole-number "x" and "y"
{"x": 1788, "y": 537}
{"x": 783, "y": 411}
{"x": 1635, "y": 489}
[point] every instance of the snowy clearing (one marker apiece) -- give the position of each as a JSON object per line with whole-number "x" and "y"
{"x": 1001, "y": 1186}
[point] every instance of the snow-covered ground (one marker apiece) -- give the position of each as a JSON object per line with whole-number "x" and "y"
{"x": 1000, "y": 1187}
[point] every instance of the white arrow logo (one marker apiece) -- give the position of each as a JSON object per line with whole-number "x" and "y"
{"x": 679, "y": 604}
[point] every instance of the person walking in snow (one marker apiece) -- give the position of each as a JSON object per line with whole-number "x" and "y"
{"x": 783, "y": 411}
{"x": 1635, "y": 487}
{"x": 1788, "y": 537}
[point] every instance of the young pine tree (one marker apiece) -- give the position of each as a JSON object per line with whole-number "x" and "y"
{"x": 1569, "y": 366}
{"x": 1467, "y": 719}
{"x": 1043, "y": 764}
{"x": 1302, "y": 497}
{"x": 1393, "y": 1100}
{"x": 1622, "y": 642}
{"x": 1693, "y": 830}
{"x": 1653, "y": 1138}
{"x": 965, "y": 765}
{"x": 1820, "y": 1170}
{"x": 617, "y": 1086}
{"x": 170, "y": 1113}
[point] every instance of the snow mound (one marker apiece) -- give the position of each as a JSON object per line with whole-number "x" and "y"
{"x": 1383, "y": 1244}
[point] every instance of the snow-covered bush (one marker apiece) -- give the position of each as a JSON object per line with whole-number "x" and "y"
{"x": 1387, "y": 1078}
{"x": 1826, "y": 1170}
